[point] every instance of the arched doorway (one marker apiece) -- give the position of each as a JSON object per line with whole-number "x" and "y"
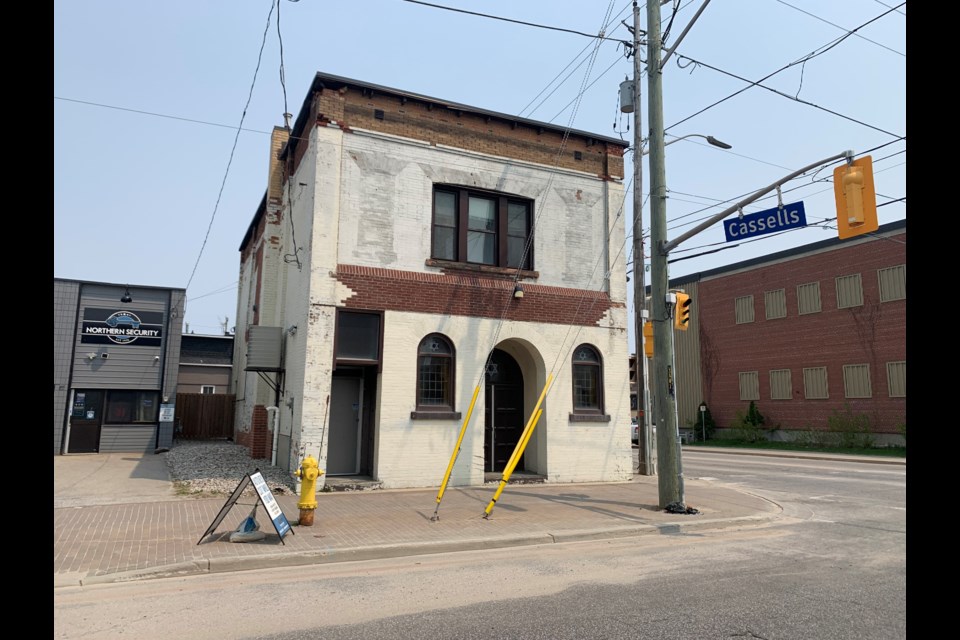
{"x": 504, "y": 415}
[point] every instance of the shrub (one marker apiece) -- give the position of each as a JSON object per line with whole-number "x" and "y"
{"x": 851, "y": 429}
{"x": 748, "y": 427}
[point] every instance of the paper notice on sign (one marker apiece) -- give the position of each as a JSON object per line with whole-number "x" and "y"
{"x": 270, "y": 503}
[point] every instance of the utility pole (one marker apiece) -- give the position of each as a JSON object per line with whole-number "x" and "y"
{"x": 648, "y": 465}
{"x": 670, "y": 480}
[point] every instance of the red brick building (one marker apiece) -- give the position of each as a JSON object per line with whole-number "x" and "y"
{"x": 805, "y": 334}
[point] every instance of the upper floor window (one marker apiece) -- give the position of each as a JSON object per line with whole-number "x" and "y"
{"x": 435, "y": 367}
{"x": 743, "y": 308}
{"x": 481, "y": 227}
{"x": 849, "y": 291}
{"x": 775, "y": 304}
{"x": 208, "y": 389}
{"x": 808, "y": 298}
{"x": 893, "y": 283}
{"x": 587, "y": 380}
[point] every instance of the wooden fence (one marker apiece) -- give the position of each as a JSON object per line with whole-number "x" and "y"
{"x": 204, "y": 416}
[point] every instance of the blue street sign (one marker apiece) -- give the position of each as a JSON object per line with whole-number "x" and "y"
{"x": 790, "y": 216}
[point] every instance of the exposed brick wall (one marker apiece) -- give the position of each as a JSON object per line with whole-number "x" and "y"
{"x": 466, "y": 295}
{"x": 258, "y": 439}
{"x": 873, "y": 334}
{"x": 442, "y": 125}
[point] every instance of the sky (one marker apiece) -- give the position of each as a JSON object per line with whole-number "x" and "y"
{"x": 162, "y": 112}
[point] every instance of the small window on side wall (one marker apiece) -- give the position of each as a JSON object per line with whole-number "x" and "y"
{"x": 208, "y": 389}
{"x": 435, "y": 374}
{"x": 587, "y": 381}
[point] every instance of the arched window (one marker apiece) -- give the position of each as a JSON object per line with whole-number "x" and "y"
{"x": 435, "y": 369}
{"x": 587, "y": 381}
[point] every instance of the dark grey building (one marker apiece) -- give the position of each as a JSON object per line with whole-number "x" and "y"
{"x": 115, "y": 363}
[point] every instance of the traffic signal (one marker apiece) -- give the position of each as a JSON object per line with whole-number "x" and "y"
{"x": 681, "y": 313}
{"x": 648, "y": 339}
{"x": 856, "y": 198}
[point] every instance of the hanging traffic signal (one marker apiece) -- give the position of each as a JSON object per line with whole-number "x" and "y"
{"x": 856, "y": 198}
{"x": 648, "y": 339}
{"x": 681, "y": 313}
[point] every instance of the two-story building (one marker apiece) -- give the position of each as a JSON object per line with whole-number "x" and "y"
{"x": 413, "y": 259}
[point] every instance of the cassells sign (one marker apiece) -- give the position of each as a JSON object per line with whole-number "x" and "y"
{"x": 789, "y": 216}
{"x": 103, "y": 326}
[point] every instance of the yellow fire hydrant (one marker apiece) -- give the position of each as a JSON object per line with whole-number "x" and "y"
{"x": 308, "y": 473}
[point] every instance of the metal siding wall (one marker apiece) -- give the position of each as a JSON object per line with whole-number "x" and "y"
{"x": 128, "y": 366}
{"x": 127, "y": 439}
{"x": 65, "y": 296}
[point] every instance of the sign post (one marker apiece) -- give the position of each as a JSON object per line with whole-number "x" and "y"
{"x": 264, "y": 495}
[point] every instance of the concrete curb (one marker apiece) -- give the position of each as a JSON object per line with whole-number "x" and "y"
{"x": 388, "y": 551}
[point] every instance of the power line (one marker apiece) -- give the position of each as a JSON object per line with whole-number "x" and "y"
{"x": 529, "y": 24}
{"x": 842, "y": 28}
{"x": 806, "y": 58}
{"x": 888, "y": 6}
{"x": 235, "y": 139}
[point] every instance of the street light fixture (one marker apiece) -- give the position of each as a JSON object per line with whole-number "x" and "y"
{"x": 717, "y": 143}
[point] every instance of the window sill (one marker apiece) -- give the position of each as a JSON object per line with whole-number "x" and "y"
{"x": 453, "y": 265}
{"x": 434, "y": 415}
{"x": 589, "y": 417}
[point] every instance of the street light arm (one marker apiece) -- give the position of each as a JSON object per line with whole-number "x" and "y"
{"x": 710, "y": 139}
{"x": 669, "y": 246}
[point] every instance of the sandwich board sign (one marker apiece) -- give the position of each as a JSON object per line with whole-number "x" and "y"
{"x": 264, "y": 495}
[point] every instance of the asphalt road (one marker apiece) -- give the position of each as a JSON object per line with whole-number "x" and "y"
{"x": 833, "y": 567}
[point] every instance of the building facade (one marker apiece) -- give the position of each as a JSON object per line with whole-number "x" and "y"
{"x": 809, "y": 335}
{"x": 415, "y": 262}
{"x": 115, "y": 360}
{"x": 206, "y": 364}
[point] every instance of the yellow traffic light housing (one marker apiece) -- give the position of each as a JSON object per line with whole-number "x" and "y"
{"x": 681, "y": 313}
{"x": 856, "y": 198}
{"x": 648, "y": 339}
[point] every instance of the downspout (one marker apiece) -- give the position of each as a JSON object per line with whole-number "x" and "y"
{"x": 276, "y": 433}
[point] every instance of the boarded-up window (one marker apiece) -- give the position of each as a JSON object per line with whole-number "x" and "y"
{"x": 744, "y": 309}
{"x": 897, "y": 379}
{"x": 775, "y": 303}
{"x": 808, "y": 297}
{"x": 749, "y": 385}
{"x": 781, "y": 387}
{"x": 856, "y": 381}
{"x": 849, "y": 291}
{"x": 815, "y": 383}
{"x": 893, "y": 283}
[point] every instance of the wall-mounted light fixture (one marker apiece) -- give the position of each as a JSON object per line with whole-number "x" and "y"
{"x": 126, "y": 296}
{"x": 91, "y": 356}
{"x": 517, "y": 291}
{"x": 292, "y": 330}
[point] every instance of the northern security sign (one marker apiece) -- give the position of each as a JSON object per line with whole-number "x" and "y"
{"x": 790, "y": 216}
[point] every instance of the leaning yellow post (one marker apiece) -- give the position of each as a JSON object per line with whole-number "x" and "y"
{"x": 521, "y": 445}
{"x": 456, "y": 452}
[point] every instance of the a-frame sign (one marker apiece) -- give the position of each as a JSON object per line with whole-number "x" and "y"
{"x": 265, "y": 497}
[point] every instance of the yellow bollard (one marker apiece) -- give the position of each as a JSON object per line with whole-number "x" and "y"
{"x": 308, "y": 473}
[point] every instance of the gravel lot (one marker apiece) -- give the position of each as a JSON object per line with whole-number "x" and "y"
{"x": 216, "y": 467}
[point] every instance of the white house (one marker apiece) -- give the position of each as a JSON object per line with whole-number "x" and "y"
{"x": 411, "y": 253}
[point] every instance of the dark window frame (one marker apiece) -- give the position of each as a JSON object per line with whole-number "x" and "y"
{"x": 378, "y": 362}
{"x": 597, "y": 366}
{"x": 110, "y": 402}
{"x": 501, "y": 235}
{"x": 450, "y": 386}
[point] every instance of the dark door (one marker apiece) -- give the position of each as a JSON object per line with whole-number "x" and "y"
{"x": 503, "y": 418}
{"x": 86, "y": 416}
{"x": 343, "y": 441}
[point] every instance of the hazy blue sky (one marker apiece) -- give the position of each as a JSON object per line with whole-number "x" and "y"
{"x": 148, "y": 97}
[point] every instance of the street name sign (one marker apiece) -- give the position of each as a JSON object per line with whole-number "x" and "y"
{"x": 789, "y": 216}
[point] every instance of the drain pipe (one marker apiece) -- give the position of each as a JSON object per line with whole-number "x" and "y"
{"x": 276, "y": 433}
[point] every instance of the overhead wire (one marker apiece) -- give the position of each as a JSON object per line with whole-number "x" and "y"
{"x": 812, "y": 15}
{"x": 817, "y": 52}
{"x": 234, "y": 147}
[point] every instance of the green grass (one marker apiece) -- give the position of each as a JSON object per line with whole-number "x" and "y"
{"x": 893, "y": 452}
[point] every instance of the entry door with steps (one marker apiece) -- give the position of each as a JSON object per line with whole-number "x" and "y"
{"x": 503, "y": 417}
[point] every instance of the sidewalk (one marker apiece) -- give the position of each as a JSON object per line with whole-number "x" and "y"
{"x": 97, "y": 543}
